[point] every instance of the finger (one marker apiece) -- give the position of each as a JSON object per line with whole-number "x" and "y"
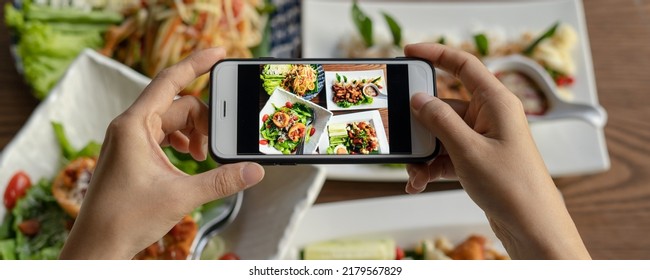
{"x": 187, "y": 113}
{"x": 158, "y": 95}
{"x": 441, "y": 168}
{"x": 442, "y": 120}
{"x": 198, "y": 145}
{"x": 466, "y": 67}
{"x": 178, "y": 141}
{"x": 414, "y": 185}
{"x": 224, "y": 181}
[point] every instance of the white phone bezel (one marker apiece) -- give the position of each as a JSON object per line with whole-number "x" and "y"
{"x": 223, "y": 127}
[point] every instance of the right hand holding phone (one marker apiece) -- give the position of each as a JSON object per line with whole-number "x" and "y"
{"x": 489, "y": 149}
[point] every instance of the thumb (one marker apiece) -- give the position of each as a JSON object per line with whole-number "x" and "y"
{"x": 442, "y": 120}
{"x": 224, "y": 181}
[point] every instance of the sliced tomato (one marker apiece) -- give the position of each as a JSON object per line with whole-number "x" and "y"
{"x": 264, "y": 142}
{"x": 30, "y": 227}
{"x": 17, "y": 187}
{"x": 265, "y": 117}
{"x": 312, "y": 131}
{"x": 288, "y": 104}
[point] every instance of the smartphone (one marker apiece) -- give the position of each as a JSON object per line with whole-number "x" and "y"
{"x": 323, "y": 111}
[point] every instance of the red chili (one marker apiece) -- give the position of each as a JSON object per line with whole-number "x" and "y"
{"x": 312, "y": 131}
{"x": 289, "y": 105}
{"x": 265, "y": 117}
{"x": 17, "y": 187}
{"x": 264, "y": 142}
{"x": 564, "y": 80}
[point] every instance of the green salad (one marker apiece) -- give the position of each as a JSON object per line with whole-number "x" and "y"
{"x": 35, "y": 226}
{"x": 288, "y": 124}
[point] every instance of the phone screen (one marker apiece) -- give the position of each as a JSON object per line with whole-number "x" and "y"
{"x": 323, "y": 109}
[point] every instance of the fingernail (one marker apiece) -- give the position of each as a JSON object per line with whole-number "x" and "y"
{"x": 252, "y": 174}
{"x": 419, "y": 100}
{"x": 204, "y": 149}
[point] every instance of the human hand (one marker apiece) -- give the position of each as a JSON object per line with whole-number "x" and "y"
{"x": 489, "y": 149}
{"x": 136, "y": 195}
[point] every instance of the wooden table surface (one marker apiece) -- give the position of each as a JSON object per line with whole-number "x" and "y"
{"x": 611, "y": 209}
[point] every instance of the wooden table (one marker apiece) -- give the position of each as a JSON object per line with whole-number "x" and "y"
{"x": 611, "y": 209}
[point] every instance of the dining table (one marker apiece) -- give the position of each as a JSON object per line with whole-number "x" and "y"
{"x": 611, "y": 209}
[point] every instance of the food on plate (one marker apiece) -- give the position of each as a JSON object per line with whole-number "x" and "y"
{"x": 351, "y": 249}
{"x": 475, "y": 247}
{"x": 352, "y": 138}
{"x": 39, "y": 216}
{"x": 349, "y": 92}
{"x": 70, "y": 186}
{"x": 287, "y": 126}
{"x": 175, "y": 245}
{"x": 299, "y": 79}
{"x": 553, "y": 49}
{"x": 49, "y": 35}
{"x": 526, "y": 90}
{"x": 160, "y": 33}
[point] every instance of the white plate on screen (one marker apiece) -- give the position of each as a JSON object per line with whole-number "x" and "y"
{"x": 569, "y": 147}
{"x": 372, "y": 117}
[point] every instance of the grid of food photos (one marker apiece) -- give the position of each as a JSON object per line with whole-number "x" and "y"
{"x": 335, "y": 109}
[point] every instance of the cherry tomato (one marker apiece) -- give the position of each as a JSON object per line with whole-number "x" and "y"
{"x": 230, "y": 256}
{"x": 312, "y": 131}
{"x": 265, "y": 117}
{"x": 399, "y": 253}
{"x": 264, "y": 142}
{"x": 17, "y": 187}
{"x": 288, "y": 105}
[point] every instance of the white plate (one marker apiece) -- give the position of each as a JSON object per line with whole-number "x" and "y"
{"x": 407, "y": 218}
{"x": 279, "y": 98}
{"x": 371, "y": 117}
{"x": 95, "y": 90}
{"x": 378, "y": 102}
{"x": 569, "y": 147}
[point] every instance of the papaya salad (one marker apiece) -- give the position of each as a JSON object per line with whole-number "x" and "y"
{"x": 287, "y": 126}
{"x": 160, "y": 33}
{"x": 40, "y": 215}
{"x": 299, "y": 79}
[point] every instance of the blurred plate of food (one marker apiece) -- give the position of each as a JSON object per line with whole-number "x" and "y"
{"x": 355, "y": 133}
{"x": 551, "y": 32}
{"x": 145, "y": 35}
{"x": 408, "y": 226}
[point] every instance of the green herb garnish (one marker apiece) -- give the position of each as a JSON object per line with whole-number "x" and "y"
{"x": 481, "y": 44}
{"x": 363, "y": 23}
{"x": 549, "y": 33}
{"x": 395, "y": 29}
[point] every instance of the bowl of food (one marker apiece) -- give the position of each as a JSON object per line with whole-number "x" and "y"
{"x": 532, "y": 84}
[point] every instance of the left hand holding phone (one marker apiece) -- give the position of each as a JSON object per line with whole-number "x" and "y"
{"x": 136, "y": 195}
